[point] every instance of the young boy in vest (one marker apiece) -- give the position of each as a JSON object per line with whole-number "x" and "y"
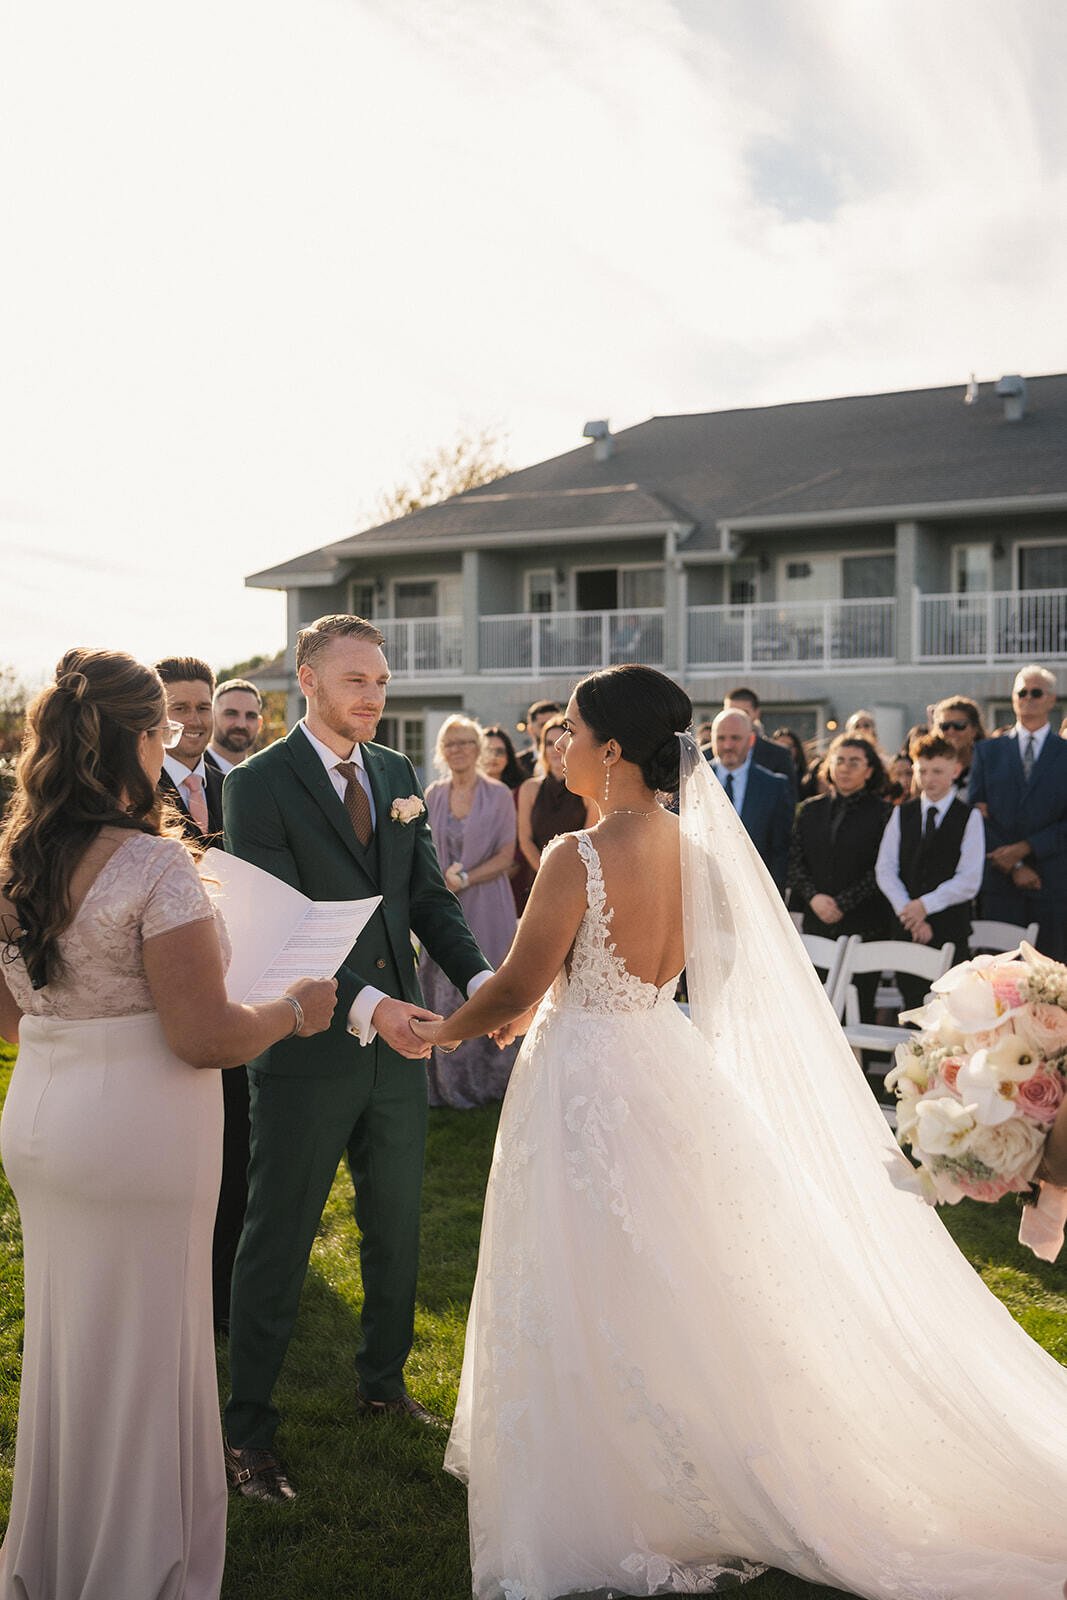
{"x": 931, "y": 859}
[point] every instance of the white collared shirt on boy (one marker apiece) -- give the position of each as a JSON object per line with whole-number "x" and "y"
{"x": 965, "y": 881}
{"x": 363, "y": 1006}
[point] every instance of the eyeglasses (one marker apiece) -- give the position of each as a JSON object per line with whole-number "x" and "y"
{"x": 1031, "y": 694}
{"x": 953, "y": 727}
{"x": 170, "y": 732}
{"x": 460, "y": 744}
{"x": 851, "y": 761}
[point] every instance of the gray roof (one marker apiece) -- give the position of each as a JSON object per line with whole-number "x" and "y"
{"x": 921, "y": 447}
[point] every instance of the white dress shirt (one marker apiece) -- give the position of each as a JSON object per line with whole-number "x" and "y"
{"x": 177, "y": 772}
{"x": 1040, "y": 735}
{"x": 740, "y": 777}
{"x": 364, "y": 1005}
{"x": 965, "y": 881}
{"x": 223, "y": 763}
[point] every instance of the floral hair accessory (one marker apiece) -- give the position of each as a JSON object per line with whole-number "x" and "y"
{"x": 409, "y": 809}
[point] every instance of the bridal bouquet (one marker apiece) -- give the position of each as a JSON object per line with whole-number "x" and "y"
{"x": 979, "y": 1087}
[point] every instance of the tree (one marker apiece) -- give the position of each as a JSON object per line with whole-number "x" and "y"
{"x": 14, "y": 697}
{"x": 473, "y": 459}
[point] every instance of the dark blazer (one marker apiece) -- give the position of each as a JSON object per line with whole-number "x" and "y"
{"x": 1017, "y": 810}
{"x": 833, "y": 851}
{"x": 767, "y": 814}
{"x": 776, "y": 758}
{"x": 283, "y": 814}
{"x": 213, "y": 796}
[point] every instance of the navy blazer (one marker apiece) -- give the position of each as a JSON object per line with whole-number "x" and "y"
{"x": 767, "y": 814}
{"x": 1034, "y": 811}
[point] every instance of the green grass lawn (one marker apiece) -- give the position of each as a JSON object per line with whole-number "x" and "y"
{"x": 377, "y": 1518}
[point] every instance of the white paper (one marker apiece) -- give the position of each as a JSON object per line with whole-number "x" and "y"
{"x": 278, "y": 935}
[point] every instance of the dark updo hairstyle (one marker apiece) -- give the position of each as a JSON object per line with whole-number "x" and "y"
{"x": 643, "y": 711}
{"x": 79, "y": 771}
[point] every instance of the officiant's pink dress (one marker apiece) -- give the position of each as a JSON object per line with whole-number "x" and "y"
{"x": 113, "y": 1147}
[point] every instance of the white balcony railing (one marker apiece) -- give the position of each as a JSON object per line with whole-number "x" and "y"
{"x": 418, "y": 646}
{"x": 795, "y": 634}
{"x": 569, "y": 641}
{"x": 1003, "y": 625}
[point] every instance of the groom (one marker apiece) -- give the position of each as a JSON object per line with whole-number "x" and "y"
{"x": 318, "y": 809}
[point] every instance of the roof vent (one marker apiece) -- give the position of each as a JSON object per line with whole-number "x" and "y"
{"x": 601, "y": 435}
{"x": 1012, "y": 390}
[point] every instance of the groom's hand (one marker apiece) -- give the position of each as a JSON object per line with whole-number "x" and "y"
{"x": 393, "y": 1018}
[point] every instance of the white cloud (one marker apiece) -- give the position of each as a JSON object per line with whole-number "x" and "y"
{"x": 270, "y": 251}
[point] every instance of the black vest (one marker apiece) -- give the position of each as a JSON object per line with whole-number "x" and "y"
{"x": 925, "y": 863}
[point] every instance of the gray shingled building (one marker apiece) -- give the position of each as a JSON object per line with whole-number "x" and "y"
{"x": 877, "y": 550}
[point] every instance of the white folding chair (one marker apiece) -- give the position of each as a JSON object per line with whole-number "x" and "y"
{"x": 828, "y": 955}
{"x": 992, "y": 938}
{"x": 882, "y": 955}
{"x": 797, "y": 918}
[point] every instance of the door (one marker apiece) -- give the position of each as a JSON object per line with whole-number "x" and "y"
{"x": 596, "y": 589}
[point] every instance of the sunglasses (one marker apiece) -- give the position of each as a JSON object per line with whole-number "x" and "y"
{"x": 1031, "y": 694}
{"x": 953, "y": 727}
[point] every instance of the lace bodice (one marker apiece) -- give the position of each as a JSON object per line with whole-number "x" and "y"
{"x": 148, "y": 886}
{"x": 598, "y": 978}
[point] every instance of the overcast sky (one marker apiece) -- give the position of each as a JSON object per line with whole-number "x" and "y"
{"x": 261, "y": 256}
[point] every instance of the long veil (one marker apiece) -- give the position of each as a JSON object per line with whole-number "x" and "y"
{"x": 758, "y": 1001}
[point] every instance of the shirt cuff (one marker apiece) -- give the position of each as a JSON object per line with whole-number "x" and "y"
{"x": 361, "y": 1011}
{"x": 477, "y": 981}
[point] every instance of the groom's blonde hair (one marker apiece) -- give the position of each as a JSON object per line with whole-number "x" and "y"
{"x": 318, "y": 634}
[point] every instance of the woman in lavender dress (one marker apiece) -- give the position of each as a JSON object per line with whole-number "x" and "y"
{"x": 473, "y": 822}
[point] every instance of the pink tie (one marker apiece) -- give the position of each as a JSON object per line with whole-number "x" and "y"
{"x": 194, "y": 787}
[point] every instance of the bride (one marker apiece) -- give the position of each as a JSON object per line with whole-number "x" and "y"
{"x": 714, "y": 1328}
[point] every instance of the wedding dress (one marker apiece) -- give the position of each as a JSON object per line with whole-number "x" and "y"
{"x": 714, "y": 1328}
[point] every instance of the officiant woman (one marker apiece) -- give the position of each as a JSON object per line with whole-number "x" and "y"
{"x": 472, "y": 818}
{"x": 112, "y": 982}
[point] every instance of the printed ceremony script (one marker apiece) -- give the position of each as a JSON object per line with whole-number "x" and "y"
{"x": 277, "y": 933}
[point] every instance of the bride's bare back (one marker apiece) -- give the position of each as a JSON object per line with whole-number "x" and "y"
{"x": 641, "y": 864}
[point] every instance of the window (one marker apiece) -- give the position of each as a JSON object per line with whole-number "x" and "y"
{"x": 541, "y": 591}
{"x": 1043, "y": 566}
{"x": 741, "y": 583}
{"x": 972, "y": 569}
{"x": 618, "y": 588}
{"x": 869, "y": 577}
{"x": 641, "y": 588}
{"x": 408, "y": 735}
{"x": 361, "y": 597}
{"x": 427, "y": 597}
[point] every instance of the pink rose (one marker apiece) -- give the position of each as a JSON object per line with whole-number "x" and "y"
{"x": 407, "y": 809}
{"x": 1046, "y": 1028}
{"x": 1010, "y": 982}
{"x": 1039, "y": 1097}
{"x": 950, "y": 1071}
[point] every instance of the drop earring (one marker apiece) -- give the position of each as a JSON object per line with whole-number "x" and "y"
{"x": 607, "y": 784}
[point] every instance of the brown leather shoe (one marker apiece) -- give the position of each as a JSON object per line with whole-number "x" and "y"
{"x": 258, "y": 1475}
{"x": 402, "y": 1406}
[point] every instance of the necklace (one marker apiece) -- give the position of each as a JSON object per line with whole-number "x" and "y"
{"x": 621, "y": 811}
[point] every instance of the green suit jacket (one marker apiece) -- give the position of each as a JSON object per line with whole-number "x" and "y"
{"x": 283, "y": 814}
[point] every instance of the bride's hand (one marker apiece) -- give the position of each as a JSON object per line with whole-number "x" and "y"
{"x": 508, "y": 1032}
{"x": 430, "y": 1033}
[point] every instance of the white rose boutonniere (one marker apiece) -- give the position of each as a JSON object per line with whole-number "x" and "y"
{"x": 409, "y": 809}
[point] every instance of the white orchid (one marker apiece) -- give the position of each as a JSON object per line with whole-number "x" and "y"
{"x": 967, "y": 994}
{"x": 945, "y": 1127}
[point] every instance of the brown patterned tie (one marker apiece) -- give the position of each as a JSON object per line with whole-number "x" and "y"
{"x": 356, "y": 803}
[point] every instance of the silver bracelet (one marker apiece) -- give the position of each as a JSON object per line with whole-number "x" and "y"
{"x": 298, "y": 1016}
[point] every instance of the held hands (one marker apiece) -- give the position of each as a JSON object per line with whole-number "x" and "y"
{"x": 316, "y": 998}
{"x": 508, "y": 1032}
{"x": 431, "y": 1033}
{"x": 396, "y": 1021}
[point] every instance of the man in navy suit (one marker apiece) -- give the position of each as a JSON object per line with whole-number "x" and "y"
{"x": 762, "y": 799}
{"x": 765, "y": 753}
{"x": 1019, "y": 783}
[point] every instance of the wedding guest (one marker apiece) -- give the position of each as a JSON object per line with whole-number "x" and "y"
{"x": 931, "y": 859}
{"x": 834, "y": 851}
{"x": 540, "y": 713}
{"x": 901, "y": 778}
{"x": 788, "y": 739}
{"x": 765, "y": 752}
{"x": 760, "y": 798}
{"x": 1019, "y": 782}
{"x": 236, "y": 723}
{"x": 472, "y": 818}
{"x": 195, "y": 786}
{"x": 863, "y": 725}
{"x": 499, "y": 761}
{"x": 959, "y": 720}
{"x": 112, "y": 982}
{"x": 703, "y": 732}
{"x": 546, "y": 806}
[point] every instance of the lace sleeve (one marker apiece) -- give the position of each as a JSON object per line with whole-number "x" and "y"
{"x": 175, "y": 894}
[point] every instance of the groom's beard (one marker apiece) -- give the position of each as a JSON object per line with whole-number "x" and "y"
{"x": 349, "y": 722}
